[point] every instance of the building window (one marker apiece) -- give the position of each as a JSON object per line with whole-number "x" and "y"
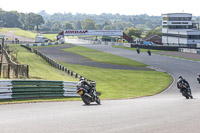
{"x": 176, "y": 22}
{"x": 193, "y": 36}
{"x": 180, "y": 26}
{"x": 180, "y": 18}
{"x": 175, "y": 35}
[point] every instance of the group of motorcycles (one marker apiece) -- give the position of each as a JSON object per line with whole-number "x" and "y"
{"x": 148, "y": 51}
{"x": 88, "y": 92}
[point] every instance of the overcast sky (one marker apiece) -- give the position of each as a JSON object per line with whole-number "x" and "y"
{"x": 123, "y": 7}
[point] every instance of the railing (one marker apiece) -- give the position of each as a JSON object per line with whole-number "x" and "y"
{"x": 10, "y": 69}
{"x": 14, "y": 89}
{"x": 14, "y": 70}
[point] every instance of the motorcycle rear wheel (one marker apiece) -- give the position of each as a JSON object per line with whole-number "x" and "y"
{"x": 85, "y": 99}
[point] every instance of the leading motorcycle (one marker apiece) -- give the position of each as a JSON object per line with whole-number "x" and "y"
{"x": 88, "y": 92}
{"x": 186, "y": 91}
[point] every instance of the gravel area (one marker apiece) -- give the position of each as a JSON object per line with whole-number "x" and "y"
{"x": 57, "y": 54}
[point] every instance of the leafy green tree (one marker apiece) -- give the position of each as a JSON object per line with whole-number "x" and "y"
{"x": 89, "y": 24}
{"x": 38, "y": 21}
{"x": 78, "y": 25}
{"x": 156, "y": 31}
{"x": 133, "y": 32}
{"x": 57, "y": 26}
{"x": 107, "y": 27}
{"x": 10, "y": 19}
{"x": 68, "y": 26}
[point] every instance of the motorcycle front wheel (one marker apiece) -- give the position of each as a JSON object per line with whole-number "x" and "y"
{"x": 98, "y": 101}
{"x": 85, "y": 99}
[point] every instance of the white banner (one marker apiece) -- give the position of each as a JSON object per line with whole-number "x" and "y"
{"x": 93, "y": 32}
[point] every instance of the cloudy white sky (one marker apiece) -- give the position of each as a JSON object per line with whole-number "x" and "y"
{"x": 125, "y": 7}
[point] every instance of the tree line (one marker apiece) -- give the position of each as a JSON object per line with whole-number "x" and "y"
{"x": 26, "y": 21}
{"x": 133, "y": 25}
{"x": 104, "y": 21}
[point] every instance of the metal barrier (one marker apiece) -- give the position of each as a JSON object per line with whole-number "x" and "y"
{"x": 36, "y": 89}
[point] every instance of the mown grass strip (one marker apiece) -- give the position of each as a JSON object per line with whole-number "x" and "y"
{"x": 103, "y": 57}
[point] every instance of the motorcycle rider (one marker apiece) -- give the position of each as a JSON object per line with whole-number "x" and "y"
{"x": 85, "y": 84}
{"x": 149, "y": 52}
{"x": 138, "y": 50}
{"x": 181, "y": 81}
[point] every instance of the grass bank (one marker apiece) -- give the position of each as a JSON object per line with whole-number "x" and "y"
{"x": 115, "y": 83}
{"x": 19, "y": 32}
{"x": 112, "y": 83}
{"x": 38, "y": 67}
{"x": 24, "y": 33}
{"x": 99, "y": 56}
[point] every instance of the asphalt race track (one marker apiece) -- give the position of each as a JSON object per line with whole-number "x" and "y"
{"x": 167, "y": 112}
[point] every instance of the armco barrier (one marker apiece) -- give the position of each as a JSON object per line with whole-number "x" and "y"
{"x": 36, "y": 89}
{"x": 188, "y": 50}
{"x": 43, "y": 44}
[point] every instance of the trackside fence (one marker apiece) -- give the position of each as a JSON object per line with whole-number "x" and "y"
{"x": 19, "y": 89}
{"x": 10, "y": 69}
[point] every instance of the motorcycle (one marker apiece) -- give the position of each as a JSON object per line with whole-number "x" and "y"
{"x": 138, "y": 50}
{"x": 186, "y": 91}
{"x": 149, "y": 52}
{"x": 198, "y": 78}
{"x": 88, "y": 93}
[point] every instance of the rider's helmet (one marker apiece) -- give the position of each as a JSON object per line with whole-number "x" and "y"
{"x": 81, "y": 78}
{"x": 180, "y": 77}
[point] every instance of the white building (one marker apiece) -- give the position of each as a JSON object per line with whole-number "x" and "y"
{"x": 179, "y": 30}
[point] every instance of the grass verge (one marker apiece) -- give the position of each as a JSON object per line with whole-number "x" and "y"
{"x": 115, "y": 83}
{"x": 112, "y": 83}
{"x": 58, "y": 99}
{"x": 103, "y": 57}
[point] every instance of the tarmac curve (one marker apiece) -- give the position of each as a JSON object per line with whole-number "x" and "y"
{"x": 162, "y": 113}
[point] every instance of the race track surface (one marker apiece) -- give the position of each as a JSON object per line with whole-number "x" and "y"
{"x": 167, "y": 112}
{"x": 58, "y": 54}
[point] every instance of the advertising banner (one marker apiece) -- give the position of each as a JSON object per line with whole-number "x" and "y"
{"x": 93, "y": 32}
